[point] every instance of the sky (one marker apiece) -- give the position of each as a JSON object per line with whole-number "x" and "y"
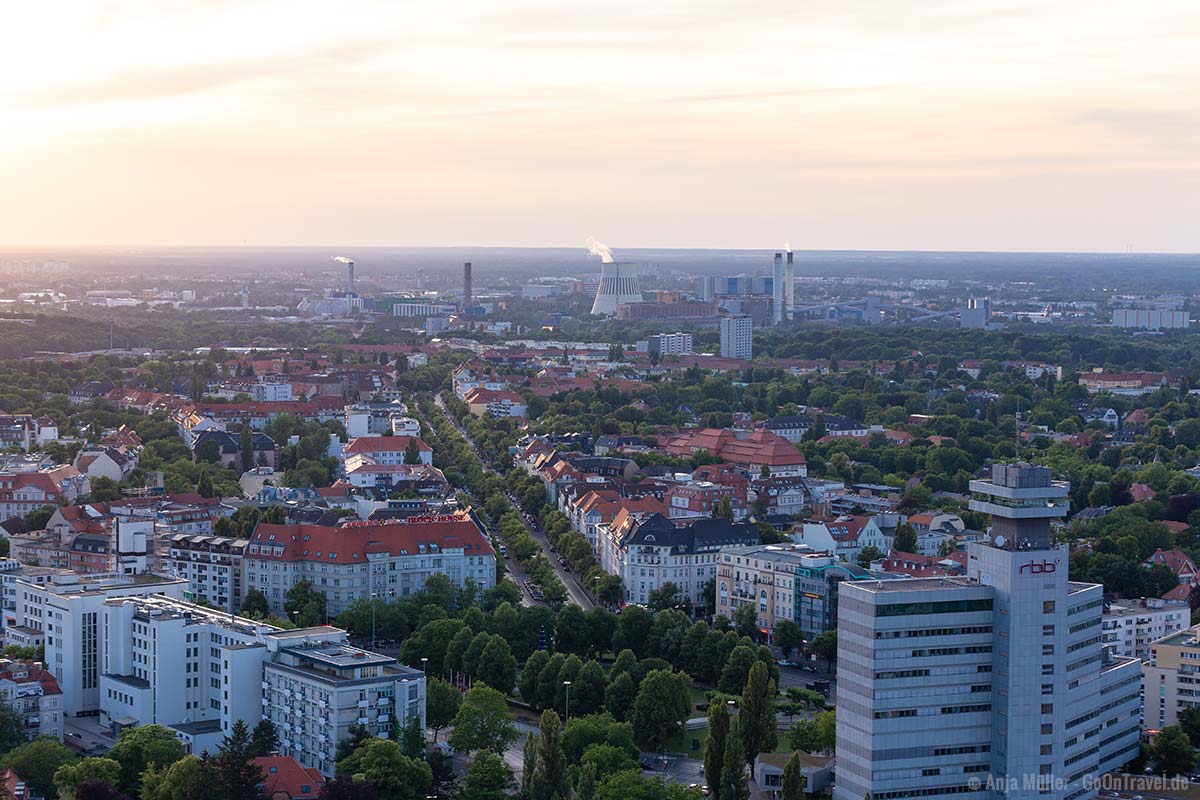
{"x": 861, "y": 124}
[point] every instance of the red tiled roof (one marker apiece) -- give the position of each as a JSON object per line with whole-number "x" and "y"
{"x": 350, "y": 544}
{"x": 287, "y": 777}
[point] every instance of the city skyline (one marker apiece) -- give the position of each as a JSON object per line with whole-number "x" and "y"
{"x": 973, "y": 126}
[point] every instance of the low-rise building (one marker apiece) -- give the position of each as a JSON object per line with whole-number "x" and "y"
{"x": 29, "y": 689}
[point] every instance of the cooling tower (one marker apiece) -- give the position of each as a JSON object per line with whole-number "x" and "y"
{"x": 618, "y": 284}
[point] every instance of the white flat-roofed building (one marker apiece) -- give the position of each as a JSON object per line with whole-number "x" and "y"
{"x": 66, "y": 613}
{"x": 1130, "y": 626}
{"x": 1171, "y": 678}
{"x": 199, "y": 671}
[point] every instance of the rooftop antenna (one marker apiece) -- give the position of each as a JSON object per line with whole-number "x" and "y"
{"x": 1017, "y": 427}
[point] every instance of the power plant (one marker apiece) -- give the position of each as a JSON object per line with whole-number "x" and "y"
{"x": 618, "y": 285}
{"x": 466, "y": 285}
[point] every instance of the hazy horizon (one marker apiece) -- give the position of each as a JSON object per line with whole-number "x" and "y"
{"x": 955, "y": 126}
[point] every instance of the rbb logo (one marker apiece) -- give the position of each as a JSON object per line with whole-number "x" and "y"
{"x": 1039, "y": 567}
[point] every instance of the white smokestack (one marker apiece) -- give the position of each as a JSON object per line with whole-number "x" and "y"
{"x": 597, "y": 248}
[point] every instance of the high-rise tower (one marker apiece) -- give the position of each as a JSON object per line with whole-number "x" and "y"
{"x": 466, "y": 285}
{"x": 789, "y": 287}
{"x": 777, "y": 280}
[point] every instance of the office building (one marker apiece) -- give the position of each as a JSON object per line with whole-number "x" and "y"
{"x": 199, "y": 671}
{"x": 662, "y": 344}
{"x": 737, "y": 340}
{"x": 991, "y": 684}
{"x": 1150, "y": 319}
{"x": 976, "y": 313}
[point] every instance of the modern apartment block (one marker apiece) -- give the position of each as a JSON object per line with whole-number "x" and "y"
{"x": 991, "y": 684}
{"x": 737, "y": 339}
{"x": 1171, "y": 678}
{"x": 213, "y": 566}
{"x": 784, "y": 582}
{"x": 1131, "y": 626}
{"x": 198, "y": 671}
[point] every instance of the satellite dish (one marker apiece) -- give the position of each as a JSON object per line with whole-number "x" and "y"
{"x": 1000, "y": 540}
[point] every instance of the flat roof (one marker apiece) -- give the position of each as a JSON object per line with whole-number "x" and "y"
{"x": 916, "y": 584}
{"x": 1186, "y": 638}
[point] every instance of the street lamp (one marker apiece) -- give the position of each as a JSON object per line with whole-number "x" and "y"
{"x": 424, "y": 661}
{"x": 567, "y": 710}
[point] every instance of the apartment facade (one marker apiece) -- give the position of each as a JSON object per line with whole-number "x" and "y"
{"x": 1171, "y": 678}
{"x": 213, "y": 566}
{"x": 1129, "y": 627}
{"x": 387, "y": 559}
{"x": 29, "y": 689}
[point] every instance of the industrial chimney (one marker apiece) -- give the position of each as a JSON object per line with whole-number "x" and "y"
{"x": 777, "y": 290}
{"x": 789, "y": 287}
{"x": 466, "y": 285}
{"x": 350, "y": 277}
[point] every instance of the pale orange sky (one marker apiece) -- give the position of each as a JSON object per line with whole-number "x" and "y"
{"x": 961, "y": 124}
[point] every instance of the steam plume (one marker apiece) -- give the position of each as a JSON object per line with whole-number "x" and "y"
{"x": 599, "y": 249}
{"x": 343, "y": 259}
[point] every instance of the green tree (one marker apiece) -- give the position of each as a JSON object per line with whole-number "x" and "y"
{"x": 1172, "y": 752}
{"x": 905, "y": 539}
{"x": 585, "y": 783}
{"x": 1189, "y": 720}
{"x": 12, "y": 727}
{"x": 549, "y": 781}
{"x": 356, "y": 734}
{"x": 442, "y": 702}
{"x": 734, "y": 785}
{"x": 757, "y": 716}
{"x": 824, "y": 647}
{"x": 412, "y": 452}
{"x": 488, "y": 777}
{"x": 483, "y": 722}
{"x": 237, "y": 775}
{"x": 633, "y": 628}
{"x": 587, "y": 690}
{"x": 411, "y": 737}
{"x": 620, "y": 695}
{"x": 246, "y": 446}
{"x": 264, "y": 739}
{"x": 38, "y": 761}
{"x": 204, "y": 485}
{"x": 344, "y": 787}
{"x": 737, "y": 669}
{"x": 664, "y": 597}
{"x": 816, "y": 735}
{"x": 189, "y": 778}
{"x": 793, "y": 782}
{"x": 529, "y": 675}
{"x": 394, "y": 775}
{"x": 497, "y": 666}
{"x": 867, "y": 555}
{"x": 788, "y": 637}
{"x": 105, "y": 489}
{"x": 745, "y": 620}
{"x": 68, "y": 777}
{"x": 140, "y": 748}
{"x": 662, "y": 704}
{"x": 305, "y": 605}
{"x": 714, "y": 745}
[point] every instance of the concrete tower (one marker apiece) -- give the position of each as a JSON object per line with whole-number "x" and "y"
{"x": 466, "y": 285}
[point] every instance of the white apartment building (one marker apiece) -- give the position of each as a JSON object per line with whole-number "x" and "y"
{"x": 988, "y": 685}
{"x": 11, "y": 571}
{"x": 1130, "y": 626}
{"x": 213, "y": 566}
{"x": 1171, "y": 678}
{"x": 675, "y": 344}
{"x": 737, "y": 340}
{"x": 65, "y": 614}
{"x": 387, "y": 559}
{"x": 199, "y": 671}
{"x": 654, "y": 551}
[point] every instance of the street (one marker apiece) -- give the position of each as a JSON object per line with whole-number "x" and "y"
{"x": 575, "y": 592}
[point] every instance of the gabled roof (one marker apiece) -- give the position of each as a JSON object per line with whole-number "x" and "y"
{"x": 351, "y": 543}
{"x": 383, "y": 444}
{"x": 284, "y": 776}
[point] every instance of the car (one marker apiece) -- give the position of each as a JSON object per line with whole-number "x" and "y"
{"x": 783, "y": 662}
{"x": 693, "y": 786}
{"x": 74, "y": 735}
{"x": 704, "y": 790}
